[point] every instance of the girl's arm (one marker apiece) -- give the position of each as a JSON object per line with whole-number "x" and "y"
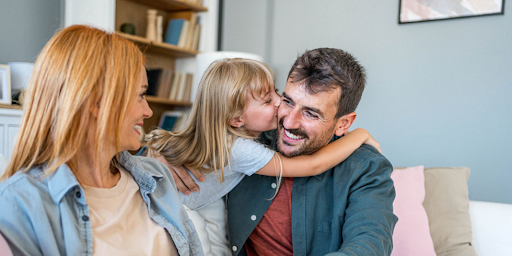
{"x": 322, "y": 160}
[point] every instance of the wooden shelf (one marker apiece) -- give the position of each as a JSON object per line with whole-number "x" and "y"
{"x": 157, "y": 100}
{"x": 11, "y": 106}
{"x": 160, "y": 48}
{"x": 173, "y": 5}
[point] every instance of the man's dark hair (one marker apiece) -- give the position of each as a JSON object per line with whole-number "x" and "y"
{"x": 326, "y": 69}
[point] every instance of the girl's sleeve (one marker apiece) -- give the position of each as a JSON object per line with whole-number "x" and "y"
{"x": 247, "y": 157}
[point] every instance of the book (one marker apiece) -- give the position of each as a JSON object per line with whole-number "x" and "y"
{"x": 188, "y": 88}
{"x": 181, "y": 87}
{"x": 195, "y": 38}
{"x": 165, "y": 83}
{"x": 184, "y": 34}
{"x": 175, "y": 85}
{"x": 153, "y": 81}
{"x": 174, "y": 31}
{"x": 192, "y": 18}
{"x": 168, "y": 119}
{"x": 192, "y": 27}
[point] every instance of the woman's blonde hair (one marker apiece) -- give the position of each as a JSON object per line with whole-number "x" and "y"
{"x": 206, "y": 139}
{"x": 81, "y": 75}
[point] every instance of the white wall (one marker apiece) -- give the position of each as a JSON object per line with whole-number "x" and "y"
{"x": 438, "y": 93}
{"x": 26, "y": 26}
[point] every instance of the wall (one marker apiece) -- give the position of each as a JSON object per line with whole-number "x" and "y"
{"x": 437, "y": 93}
{"x": 26, "y": 27}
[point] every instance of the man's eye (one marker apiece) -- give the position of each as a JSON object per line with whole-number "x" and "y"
{"x": 311, "y": 114}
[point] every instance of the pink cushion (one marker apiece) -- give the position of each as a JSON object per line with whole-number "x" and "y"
{"x": 4, "y": 247}
{"x": 412, "y": 234}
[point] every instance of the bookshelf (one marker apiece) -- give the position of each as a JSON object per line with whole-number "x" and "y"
{"x": 158, "y": 54}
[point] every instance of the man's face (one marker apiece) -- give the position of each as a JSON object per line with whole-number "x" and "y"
{"x": 306, "y": 121}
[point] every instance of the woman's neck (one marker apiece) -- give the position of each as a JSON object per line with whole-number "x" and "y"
{"x": 95, "y": 170}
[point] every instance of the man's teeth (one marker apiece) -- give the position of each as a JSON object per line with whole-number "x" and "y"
{"x": 292, "y": 136}
{"x": 138, "y": 127}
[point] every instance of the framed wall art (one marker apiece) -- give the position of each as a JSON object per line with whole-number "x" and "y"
{"x": 411, "y": 11}
{"x": 5, "y": 85}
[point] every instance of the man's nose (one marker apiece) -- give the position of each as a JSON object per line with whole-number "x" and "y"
{"x": 292, "y": 120}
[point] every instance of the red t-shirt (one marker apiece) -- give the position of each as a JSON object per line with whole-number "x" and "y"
{"x": 273, "y": 235}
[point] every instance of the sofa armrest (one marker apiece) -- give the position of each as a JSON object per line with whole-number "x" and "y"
{"x": 492, "y": 228}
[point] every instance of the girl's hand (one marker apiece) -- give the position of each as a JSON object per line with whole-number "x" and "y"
{"x": 370, "y": 140}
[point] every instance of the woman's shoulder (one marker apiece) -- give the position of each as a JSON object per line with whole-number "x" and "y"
{"x": 22, "y": 181}
{"x": 25, "y": 190}
{"x": 144, "y": 164}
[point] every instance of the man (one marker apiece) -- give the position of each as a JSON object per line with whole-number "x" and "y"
{"x": 344, "y": 211}
{"x": 347, "y": 209}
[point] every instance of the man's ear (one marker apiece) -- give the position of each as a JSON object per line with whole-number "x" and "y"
{"x": 344, "y": 123}
{"x": 236, "y": 122}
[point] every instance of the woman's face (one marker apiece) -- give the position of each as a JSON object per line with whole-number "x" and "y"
{"x": 136, "y": 114}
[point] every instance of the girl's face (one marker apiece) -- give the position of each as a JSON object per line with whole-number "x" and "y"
{"x": 261, "y": 114}
{"x": 136, "y": 114}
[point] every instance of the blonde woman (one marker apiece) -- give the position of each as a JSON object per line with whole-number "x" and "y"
{"x": 71, "y": 188}
{"x": 236, "y": 102}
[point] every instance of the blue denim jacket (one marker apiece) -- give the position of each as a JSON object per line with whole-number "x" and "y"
{"x": 48, "y": 215}
{"x": 347, "y": 210}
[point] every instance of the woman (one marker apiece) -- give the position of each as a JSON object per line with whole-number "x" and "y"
{"x": 72, "y": 188}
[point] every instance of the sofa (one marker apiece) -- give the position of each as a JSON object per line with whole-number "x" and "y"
{"x": 437, "y": 218}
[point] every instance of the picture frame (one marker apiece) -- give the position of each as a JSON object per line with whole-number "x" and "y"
{"x": 169, "y": 120}
{"x": 413, "y": 11}
{"x": 5, "y": 85}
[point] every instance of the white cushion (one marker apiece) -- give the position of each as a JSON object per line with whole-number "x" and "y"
{"x": 492, "y": 228}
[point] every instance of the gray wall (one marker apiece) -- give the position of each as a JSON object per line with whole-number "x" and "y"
{"x": 438, "y": 93}
{"x": 26, "y": 26}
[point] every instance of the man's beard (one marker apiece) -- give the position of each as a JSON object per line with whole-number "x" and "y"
{"x": 308, "y": 147}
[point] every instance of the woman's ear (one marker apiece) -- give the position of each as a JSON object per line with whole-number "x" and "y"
{"x": 344, "y": 123}
{"x": 95, "y": 110}
{"x": 236, "y": 122}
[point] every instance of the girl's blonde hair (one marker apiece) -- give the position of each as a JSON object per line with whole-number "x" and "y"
{"x": 206, "y": 140}
{"x": 82, "y": 75}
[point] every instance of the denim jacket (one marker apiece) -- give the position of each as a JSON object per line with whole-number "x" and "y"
{"x": 347, "y": 210}
{"x": 48, "y": 214}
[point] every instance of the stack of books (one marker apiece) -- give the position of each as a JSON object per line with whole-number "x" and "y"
{"x": 164, "y": 83}
{"x": 183, "y": 30}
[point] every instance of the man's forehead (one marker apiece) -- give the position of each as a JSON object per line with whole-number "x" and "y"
{"x": 324, "y": 101}
{"x": 300, "y": 87}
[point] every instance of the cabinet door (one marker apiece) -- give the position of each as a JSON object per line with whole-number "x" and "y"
{"x": 9, "y": 126}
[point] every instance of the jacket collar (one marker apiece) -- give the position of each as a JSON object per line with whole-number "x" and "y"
{"x": 63, "y": 179}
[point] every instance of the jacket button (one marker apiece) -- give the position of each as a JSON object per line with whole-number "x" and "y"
{"x": 234, "y": 248}
{"x": 273, "y": 185}
{"x": 253, "y": 217}
{"x": 78, "y": 194}
{"x": 85, "y": 218}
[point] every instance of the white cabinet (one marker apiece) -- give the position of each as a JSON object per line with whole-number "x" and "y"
{"x": 10, "y": 120}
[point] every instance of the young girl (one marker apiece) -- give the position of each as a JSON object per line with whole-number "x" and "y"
{"x": 236, "y": 102}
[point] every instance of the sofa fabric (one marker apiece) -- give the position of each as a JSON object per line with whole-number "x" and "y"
{"x": 447, "y": 206}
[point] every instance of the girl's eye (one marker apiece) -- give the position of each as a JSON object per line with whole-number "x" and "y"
{"x": 143, "y": 95}
{"x": 268, "y": 101}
